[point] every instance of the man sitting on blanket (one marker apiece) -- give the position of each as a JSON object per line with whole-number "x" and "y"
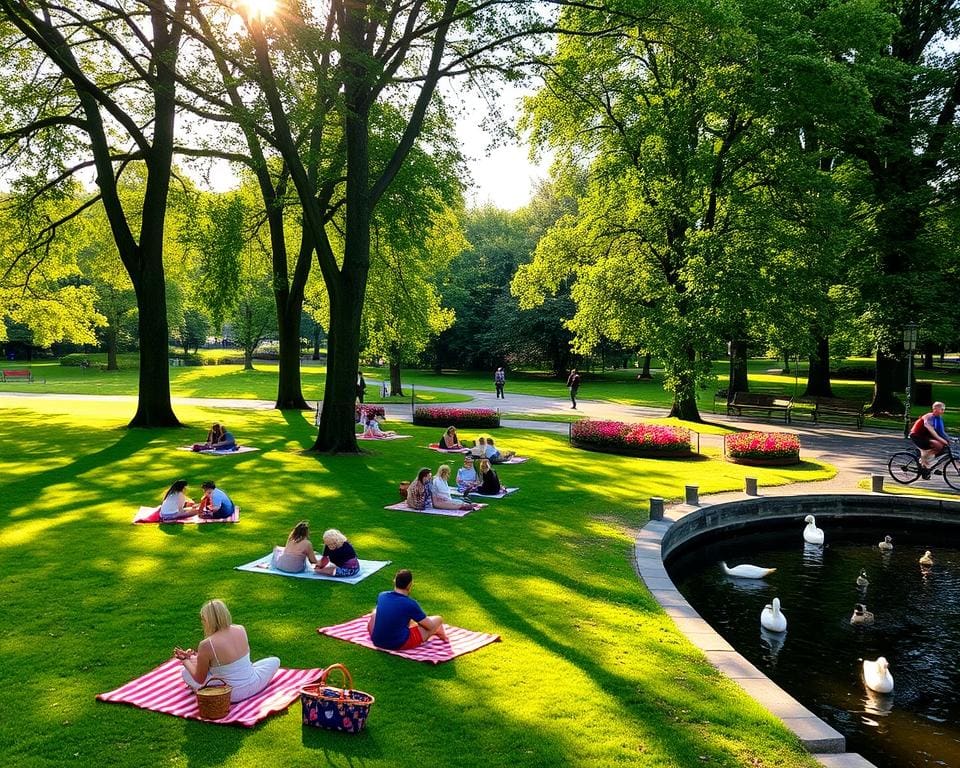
{"x": 215, "y": 504}
{"x": 398, "y": 623}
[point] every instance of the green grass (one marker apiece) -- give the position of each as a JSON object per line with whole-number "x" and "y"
{"x": 590, "y": 672}
{"x": 936, "y": 488}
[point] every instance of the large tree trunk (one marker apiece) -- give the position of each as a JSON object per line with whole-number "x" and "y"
{"x": 112, "y": 346}
{"x": 154, "y": 408}
{"x": 928, "y": 351}
{"x": 884, "y": 399}
{"x": 685, "y": 392}
{"x": 645, "y": 370}
{"x": 786, "y": 361}
{"x": 396, "y": 387}
{"x": 289, "y": 388}
{"x": 818, "y": 377}
{"x": 316, "y": 341}
{"x": 740, "y": 381}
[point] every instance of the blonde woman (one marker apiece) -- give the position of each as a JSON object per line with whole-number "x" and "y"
{"x": 339, "y": 558}
{"x": 224, "y": 652}
{"x": 441, "y": 485}
{"x": 420, "y": 495}
{"x": 293, "y": 557}
{"x": 489, "y": 481}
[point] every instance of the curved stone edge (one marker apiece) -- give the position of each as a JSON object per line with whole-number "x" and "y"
{"x": 826, "y": 744}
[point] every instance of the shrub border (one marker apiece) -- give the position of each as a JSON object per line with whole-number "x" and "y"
{"x": 489, "y": 422}
{"x": 640, "y": 453}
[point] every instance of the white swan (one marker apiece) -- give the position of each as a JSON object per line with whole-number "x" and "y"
{"x": 772, "y": 619}
{"x": 886, "y": 545}
{"x": 876, "y": 675}
{"x": 747, "y": 571}
{"x": 812, "y": 534}
{"x": 861, "y": 615}
{"x": 862, "y": 579}
{"x": 927, "y": 558}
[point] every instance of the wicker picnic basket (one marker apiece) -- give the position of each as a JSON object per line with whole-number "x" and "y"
{"x": 213, "y": 701}
{"x": 336, "y": 709}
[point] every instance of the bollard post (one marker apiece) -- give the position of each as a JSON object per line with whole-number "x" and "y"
{"x": 656, "y": 508}
{"x": 750, "y": 486}
{"x": 692, "y": 495}
{"x": 876, "y": 483}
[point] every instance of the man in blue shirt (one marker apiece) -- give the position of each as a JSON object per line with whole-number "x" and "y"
{"x": 215, "y": 503}
{"x": 930, "y": 436}
{"x": 398, "y": 623}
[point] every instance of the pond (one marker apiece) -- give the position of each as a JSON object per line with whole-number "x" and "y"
{"x": 818, "y": 660}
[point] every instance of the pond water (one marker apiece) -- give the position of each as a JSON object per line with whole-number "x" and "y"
{"x": 818, "y": 659}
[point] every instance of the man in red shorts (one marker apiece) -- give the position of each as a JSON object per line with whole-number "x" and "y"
{"x": 398, "y": 623}
{"x": 930, "y": 436}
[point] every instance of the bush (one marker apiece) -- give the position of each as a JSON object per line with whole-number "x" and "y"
{"x": 634, "y": 439}
{"x": 778, "y": 447}
{"x": 76, "y": 360}
{"x": 854, "y": 372}
{"x": 456, "y": 417}
{"x": 370, "y": 410}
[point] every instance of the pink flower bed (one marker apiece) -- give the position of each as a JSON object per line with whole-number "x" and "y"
{"x": 456, "y": 417}
{"x": 762, "y": 445}
{"x": 370, "y": 410}
{"x": 639, "y": 438}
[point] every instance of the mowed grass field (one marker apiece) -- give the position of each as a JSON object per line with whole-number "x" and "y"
{"x": 590, "y": 671}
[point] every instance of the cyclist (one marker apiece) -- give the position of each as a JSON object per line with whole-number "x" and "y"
{"x": 930, "y": 436}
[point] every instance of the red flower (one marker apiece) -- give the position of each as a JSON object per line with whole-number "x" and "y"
{"x": 762, "y": 445}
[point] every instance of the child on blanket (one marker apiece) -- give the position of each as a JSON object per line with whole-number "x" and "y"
{"x": 339, "y": 558}
{"x": 175, "y": 503}
{"x": 398, "y": 623}
{"x": 224, "y": 652}
{"x": 420, "y": 495}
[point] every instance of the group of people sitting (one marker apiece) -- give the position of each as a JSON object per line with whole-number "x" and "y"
{"x": 337, "y": 559}
{"x": 397, "y": 623}
{"x": 214, "y": 504}
{"x": 484, "y": 447}
{"x": 371, "y": 427}
{"x": 219, "y": 438}
{"x": 431, "y": 491}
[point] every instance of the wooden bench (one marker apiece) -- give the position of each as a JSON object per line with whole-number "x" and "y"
{"x": 16, "y": 374}
{"x": 839, "y": 410}
{"x": 759, "y": 403}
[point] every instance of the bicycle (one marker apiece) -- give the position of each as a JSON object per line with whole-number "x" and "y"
{"x": 904, "y": 466}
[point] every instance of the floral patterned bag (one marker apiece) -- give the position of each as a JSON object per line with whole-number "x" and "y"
{"x": 336, "y": 709}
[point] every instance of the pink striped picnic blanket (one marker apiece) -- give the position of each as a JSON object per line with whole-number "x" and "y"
{"x": 152, "y": 515}
{"x": 163, "y": 690}
{"x": 402, "y": 507}
{"x": 434, "y": 650}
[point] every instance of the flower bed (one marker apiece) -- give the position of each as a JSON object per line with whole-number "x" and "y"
{"x": 650, "y": 440}
{"x": 370, "y": 410}
{"x": 762, "y": 449}
{"x": 436, "y": 416}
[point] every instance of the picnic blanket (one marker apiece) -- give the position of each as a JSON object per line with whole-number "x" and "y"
{"x": 152, "y": 515}
{"x": 163, "y": 690}
{"x": 402, "y": 507}
{"x": 436, "y": 447}
{"x": 221, "y": 452}
{"x": 434, "y": 650}
{"x": 263, "y": 565}
{"x": 487, "y": 495}
{"x": 514, "y": 460}
{"x": 385, "y": 437}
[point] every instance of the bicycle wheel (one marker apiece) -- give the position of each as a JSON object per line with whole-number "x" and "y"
{"x": 904, "y": 467}
{"x": 951, "y": 474}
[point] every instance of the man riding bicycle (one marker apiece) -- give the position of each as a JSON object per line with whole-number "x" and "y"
{"x": 930, "y": 436}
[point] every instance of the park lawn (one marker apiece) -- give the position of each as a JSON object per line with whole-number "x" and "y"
{"x": 934, "y": 487}
{"x": 590, "y": 672}
{"x": 224, "y": 381}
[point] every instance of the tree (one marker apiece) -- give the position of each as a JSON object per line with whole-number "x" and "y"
{"x": 252, "y": 316}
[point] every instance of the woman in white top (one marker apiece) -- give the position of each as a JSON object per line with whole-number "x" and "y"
{"x": 224, "y": 652}
{"x": 175, "y": 503}
{"x": 372, "y": 429}
{"x": 442, "y": 498}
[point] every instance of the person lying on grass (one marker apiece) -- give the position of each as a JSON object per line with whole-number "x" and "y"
{"x": 224, "y": 652}
{"x": 489, "y": 481}
{"x": 215, "y": 504}
{"x": 371, "y": 429}
{"x": 398, "y": 623}
{"x": 339, "y": 558}
{"x": 449, "y": 440}
{"x": 495, "y": 455}
{"x": 420, "y": 495}
{"x": 175, "y": 503}
{"x": 467, "y": 478}
{"x": 297, "y": 549}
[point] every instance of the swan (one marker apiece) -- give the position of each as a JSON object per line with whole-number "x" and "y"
{"x": 747, "y": 571}
{"x": 886, "y": 545}
{"x": 861, "y": 615}
{"x": 876, "y": 675}
{"x": 927, "y": 558}
{"x": 772, "y": 619}
{"x": 862, "y": 579}
{"x": 812, "y": 534}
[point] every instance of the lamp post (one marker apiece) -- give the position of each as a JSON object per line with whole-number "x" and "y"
{"x": 909, "y": 344}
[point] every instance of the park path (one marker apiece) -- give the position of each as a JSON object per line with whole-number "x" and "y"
{"x": 855, "y": 454}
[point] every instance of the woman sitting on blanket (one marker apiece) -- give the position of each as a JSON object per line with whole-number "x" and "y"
{"x": 339, "y": 558}
{"x": 489, "y": 482}
{"x": 420, "y": 495}
{"x": 290, "y": 559}
{"x": 371, "y": 429}
{"x": 496, "y": 456}
{"x": 441, "y": 484}
{"x": 449, "y": 440}
{"x": 218, "y": 439}
{"x": 175, "y": 503}
{"x": 224, "y": 652}
{"x": 479, "y": 449}
{"x": 467, "y": 479}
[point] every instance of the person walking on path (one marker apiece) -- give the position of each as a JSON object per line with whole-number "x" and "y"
{"x": 361, "y": 387}
{"x": 499, "y": 379}
{"x": 573, "y": 382}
